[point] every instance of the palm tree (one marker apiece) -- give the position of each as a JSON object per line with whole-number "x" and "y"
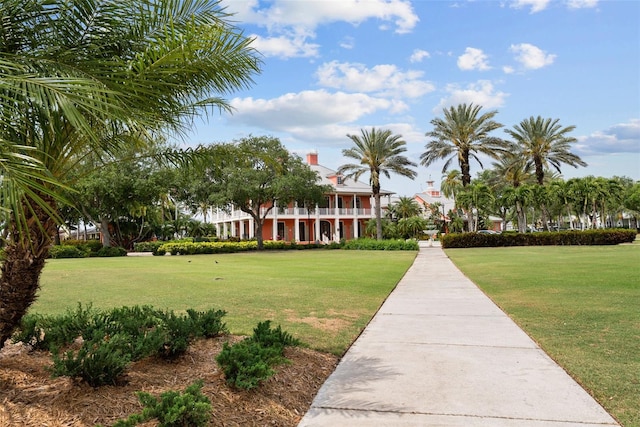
{"x": 379, "y": 153}
{"x": 451, "y": 184}
{"x": 462, "y": 135}
{"x": 475, "y": 199}
{"x": 405, "y": 207}
{"x": 88, "y": 78}
{"x": 544, "y": 143}
{"x": 519, "y": 197}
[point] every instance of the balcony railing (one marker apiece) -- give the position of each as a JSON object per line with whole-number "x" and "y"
{"x": 301, "y": 213}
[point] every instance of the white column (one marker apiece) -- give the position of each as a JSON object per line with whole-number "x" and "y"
{"x": 274, "y": 228}
{"x": 218, "y": 229}
{"x": 251, "y": 228}
{"x": 296, "y": 225}
{"x": 318, "y": 238}
{"x": 356, "y": 224}
{"x": 225, "y": 230}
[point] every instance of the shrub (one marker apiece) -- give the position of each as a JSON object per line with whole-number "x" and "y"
{"x": 250, "y": 361}
{"x": 587, "y": 237}
{"x": 264, "y": 335}
{"x": 111, "y": 251}
{"x": 381, "y": 245}
{"x": 208, "y": 324}
{"x": 129, "y": 333}
{"x": 54, "y": 331}
{"x": 173, "y": 409}
{"x": 247, "y": 363}
{"x": 98, "y": 362}
{"x": 68, "y": 251}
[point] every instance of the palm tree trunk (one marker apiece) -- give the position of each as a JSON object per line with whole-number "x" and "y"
{"x": 24, "y": 261}
{"x": 378, "y": 216}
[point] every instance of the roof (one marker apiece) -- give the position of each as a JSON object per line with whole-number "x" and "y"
{"x": 348, "y": 186}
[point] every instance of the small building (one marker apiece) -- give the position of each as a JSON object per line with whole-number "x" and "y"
{"x": 342, "y": 215}
{"x": 431, "y": 196}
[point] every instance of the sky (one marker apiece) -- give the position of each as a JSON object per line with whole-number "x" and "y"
{"x": 331, "y": 68}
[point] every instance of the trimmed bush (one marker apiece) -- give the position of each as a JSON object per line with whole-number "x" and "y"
{"x": 111, "y": 251}
{"x": 381, "y": 245}
{"x": 587, "y": 237}
{"x": 68, "y": 251}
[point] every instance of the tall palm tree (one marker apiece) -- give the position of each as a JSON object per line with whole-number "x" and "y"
{"x": 544, "y": 143}
{"x": 88, "y": 78}
{"x": 463, "y": 134}
{"x": 378, "y": 152}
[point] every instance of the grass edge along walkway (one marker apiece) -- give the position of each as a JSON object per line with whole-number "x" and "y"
{"x": 580, "y": 304}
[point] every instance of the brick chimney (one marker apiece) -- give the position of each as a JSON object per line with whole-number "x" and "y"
{"x": 312, "y": 158}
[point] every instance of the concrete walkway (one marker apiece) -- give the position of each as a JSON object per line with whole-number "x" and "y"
{"x": 441, "y": 353}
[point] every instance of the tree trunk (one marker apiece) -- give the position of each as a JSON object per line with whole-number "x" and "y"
{"x": 522, "y": 221}
{"x": 25, "y": 259}
{"x": 378, "y": 216}
{"x": 104, "y": 230}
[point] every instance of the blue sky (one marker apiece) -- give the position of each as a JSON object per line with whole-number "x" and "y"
{"x": 334, "y": 67}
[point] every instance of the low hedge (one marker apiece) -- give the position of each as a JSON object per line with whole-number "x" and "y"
{"x": 562, "y": 238}
{"x": 198, "y": 248}
{"x": 81, "y": 251}
{"x": 381, "y": 245}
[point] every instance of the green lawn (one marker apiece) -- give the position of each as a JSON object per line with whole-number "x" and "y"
{"x": 581, "y": 304}
{"x": 323, "y": 297}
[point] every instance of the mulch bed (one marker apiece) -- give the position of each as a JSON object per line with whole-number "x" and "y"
{"x": 29, "y": 396}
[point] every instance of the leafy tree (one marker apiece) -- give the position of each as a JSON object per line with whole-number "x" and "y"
{"x": 261, "y": 175}
{"x": 93, "y": 77}
{"x": 462, "y": 135}
{"x": 123, "y": 197}
{"x": 378, "y": 152}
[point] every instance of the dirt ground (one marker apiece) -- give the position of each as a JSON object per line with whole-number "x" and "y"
{"x": 30, "y": 397}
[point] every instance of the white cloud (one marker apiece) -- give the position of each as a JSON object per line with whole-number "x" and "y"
{"x": 619, "y": 138}
{"x": 531, "y": 57}
{"x": 291, "y": 23}
{"x": 285, "y": 46}
{"x": 308, "y": 109}
{"x": 536, "y": 5}
{"x": 479, "y": 93}
{"x": 382, "y": 80}
{"x": 473, "y": 59}
{"x": 418, "y": 55}
{"x": 508, "y": 69}
{"x": 311, "y": 14}
{"x": 582, "y": 4}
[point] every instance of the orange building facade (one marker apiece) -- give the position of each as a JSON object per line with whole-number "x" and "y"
{"x": 343, "y": 215}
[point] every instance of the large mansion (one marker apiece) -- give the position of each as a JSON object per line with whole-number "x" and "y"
{"x": 343, "y": 215}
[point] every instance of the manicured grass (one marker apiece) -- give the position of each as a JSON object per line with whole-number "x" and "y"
{"x": 322, "y": 297}
{"x": 581, "y": 304}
